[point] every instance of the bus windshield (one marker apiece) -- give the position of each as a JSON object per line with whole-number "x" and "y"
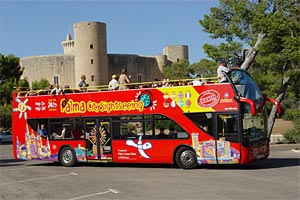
{"x": 245, "y": 85}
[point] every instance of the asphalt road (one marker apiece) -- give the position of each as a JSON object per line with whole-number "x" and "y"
{"x": 275, "y": 178}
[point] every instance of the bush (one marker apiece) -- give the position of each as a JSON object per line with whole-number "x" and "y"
{"x": 5, "y": 112}
{"x": 293, "y": 135}
{"x": 291, "y": 114}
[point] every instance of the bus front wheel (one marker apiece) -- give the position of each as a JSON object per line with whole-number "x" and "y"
{"x": 186, "y": 158}
{"x": 67, "y": 157}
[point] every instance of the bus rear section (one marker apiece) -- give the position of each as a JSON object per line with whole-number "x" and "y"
{"x": 202, "y": 124}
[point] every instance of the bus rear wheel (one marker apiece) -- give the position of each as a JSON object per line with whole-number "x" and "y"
{"x": 186, "y": 158}
{"x": 67, "y": 157}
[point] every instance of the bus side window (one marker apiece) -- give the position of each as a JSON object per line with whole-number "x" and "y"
{"x": 203, "y": 121}
{"x": 171, "y": 128}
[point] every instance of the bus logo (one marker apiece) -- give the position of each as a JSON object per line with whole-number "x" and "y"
{"x": 22, "y": 108}
{"x": 208, "y": 98}
{"x": 140, "y": 146}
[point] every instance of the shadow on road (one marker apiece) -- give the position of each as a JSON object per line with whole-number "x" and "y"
{"x": 262, "y": 164}
{"x": 10, "y": 162}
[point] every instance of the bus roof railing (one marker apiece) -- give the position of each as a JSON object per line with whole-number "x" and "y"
{"x": 149, "y": 84}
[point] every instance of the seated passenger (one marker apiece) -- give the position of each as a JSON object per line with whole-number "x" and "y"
{"x": 43, "y": 131}
{"x": 57, "y": 90}
{"x": 198, "y": 80}
{"x": 172, "y": 134}
{"x": 65, "y": 133}
{"x": 161, "y": 134}
{"x": 67, "y": 89}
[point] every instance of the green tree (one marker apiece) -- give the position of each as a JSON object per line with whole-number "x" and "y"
{"x": 269, "y": 29}
{"x": 41, "y": 84}
{"x": 205, "y": 67}
{"x": 178, "y": 70}
{"x": 10, "y": 73}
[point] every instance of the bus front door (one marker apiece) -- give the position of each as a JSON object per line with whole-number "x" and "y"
{"x": 98, "y": 139}
{"x": 227, "y": 147}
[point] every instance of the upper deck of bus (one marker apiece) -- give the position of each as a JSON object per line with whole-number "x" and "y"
{"x": 209, "y": 97}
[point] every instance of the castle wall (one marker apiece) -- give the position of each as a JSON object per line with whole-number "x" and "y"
{"x": 49, "y": 66}
{"x": 162, "y": 61}
{"x": 90, "y": 52}
{"x": 144, "y": 67}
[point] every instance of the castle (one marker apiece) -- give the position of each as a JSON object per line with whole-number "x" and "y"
{"x": 87, "y": 54}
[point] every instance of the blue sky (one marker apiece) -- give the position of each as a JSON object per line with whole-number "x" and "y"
{"x": 32, "y": 28}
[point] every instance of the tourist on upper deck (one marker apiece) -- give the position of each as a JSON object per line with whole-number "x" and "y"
{"x": 123, "y": 80}
{"x": 113, "y": 83}
{"x": 67, "y": 89}
{"x": 165, "y": 83}
{"x": 55, "y": 91}
{"x": 198, "y": 80}
{"x": 50, "y": 88}
{"x": 221, "y": 69}
{"x": 82, "y": 84}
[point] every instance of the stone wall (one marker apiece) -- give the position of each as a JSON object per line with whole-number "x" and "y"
{"x": 144, "y": 67}
{"x": 49, "y": 66}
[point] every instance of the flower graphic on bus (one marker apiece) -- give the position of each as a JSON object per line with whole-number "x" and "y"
{"x": 147, "y": 98}
{"x": 22, "y": 107}
{"x": 140, "y": 146}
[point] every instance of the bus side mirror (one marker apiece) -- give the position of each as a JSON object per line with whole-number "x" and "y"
{"x": 274, "y": 102}
{"x": 248, "y": 101}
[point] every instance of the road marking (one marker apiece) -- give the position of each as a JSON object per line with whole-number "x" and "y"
{"x": 34, "y": 179}
{"x": 90, "y": 195}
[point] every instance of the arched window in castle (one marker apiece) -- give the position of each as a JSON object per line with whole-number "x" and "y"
{"x": 92, "y": 78}
{"x": 92, "y": 61}
{"x": 91, "y": 46}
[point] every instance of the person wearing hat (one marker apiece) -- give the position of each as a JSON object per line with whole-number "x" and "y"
{"x": 113, "y": 84}
{"x": 221, "y": 69}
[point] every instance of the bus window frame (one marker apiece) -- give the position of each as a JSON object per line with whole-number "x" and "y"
{"x": 239, "y": 125}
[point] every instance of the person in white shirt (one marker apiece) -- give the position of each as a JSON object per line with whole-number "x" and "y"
{"x": 57, "y": 90}
{"x": 221, "y": 69}
{"x": 197, "y": 81}
{"x": 113, "y": 84}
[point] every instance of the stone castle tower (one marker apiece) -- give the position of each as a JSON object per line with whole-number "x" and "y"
{"x": 90, "y": 51}
{"x": 87, "y": 55}
{"x": 175, "y": 53}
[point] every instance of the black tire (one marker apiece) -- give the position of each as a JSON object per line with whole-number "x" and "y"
{"x": 186, "y": 158}
{"x": 67, "y": 157}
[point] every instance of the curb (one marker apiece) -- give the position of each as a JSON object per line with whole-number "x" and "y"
{"x": 296, "y": 150}
{"x": 276, "y": 139}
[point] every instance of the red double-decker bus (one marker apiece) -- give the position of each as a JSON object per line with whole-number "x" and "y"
{"x": 214, "y": 123}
